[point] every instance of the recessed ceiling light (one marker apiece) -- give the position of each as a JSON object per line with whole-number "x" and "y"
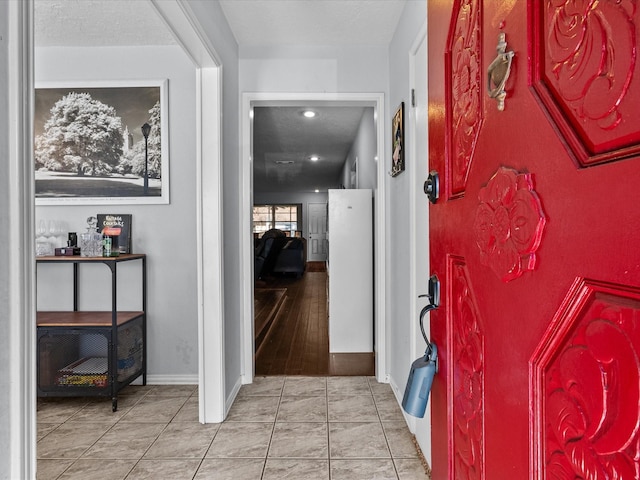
{"x": 314, "y": 158}
{"x": 309, "y": 113}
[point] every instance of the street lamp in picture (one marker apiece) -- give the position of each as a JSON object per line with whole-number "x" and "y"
{"x": 146, "y": 129}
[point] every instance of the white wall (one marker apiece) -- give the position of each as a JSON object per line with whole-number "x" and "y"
{"x": 364, "y": 150}
{"x": 313, "y": 69}
{"x": 166, "y": 233}
{"x": 330, "y": 69}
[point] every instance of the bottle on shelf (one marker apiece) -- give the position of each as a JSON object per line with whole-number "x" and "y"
{"x": 91, "y": 244}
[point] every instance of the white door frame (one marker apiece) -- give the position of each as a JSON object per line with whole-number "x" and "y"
{"x": 419, "y": 220}
{"x": 21, "y": 366}
{"x": 182, "y": 23}
{"x": 251, "y": 100}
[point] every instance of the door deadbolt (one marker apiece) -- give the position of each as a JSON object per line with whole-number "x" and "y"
{"x": 432, "y": 186}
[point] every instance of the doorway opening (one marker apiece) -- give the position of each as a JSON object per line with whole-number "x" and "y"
{"x": 314, "y": 282}
{"x": 22, "y": 397}
{"x": 207, "y": 163}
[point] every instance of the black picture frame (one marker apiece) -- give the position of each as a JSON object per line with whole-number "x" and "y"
{"x": 397, "y": 142}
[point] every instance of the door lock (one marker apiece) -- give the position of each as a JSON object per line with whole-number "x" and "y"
{"x": 432, "y": 186}
{"x": 434, "y": 302}
{"x": 433, "y": 295}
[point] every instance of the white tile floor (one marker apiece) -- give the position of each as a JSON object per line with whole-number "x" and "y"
{"x": 306, "y": 428}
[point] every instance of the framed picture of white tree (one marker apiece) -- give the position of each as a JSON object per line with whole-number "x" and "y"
{"x": 101, "y": 144}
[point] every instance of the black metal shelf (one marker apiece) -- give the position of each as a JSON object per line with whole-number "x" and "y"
{"x": 74, "y": 347}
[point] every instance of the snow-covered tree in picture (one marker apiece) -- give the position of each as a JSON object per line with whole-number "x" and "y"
{"x": 134, "y": 163}
{"x": 82, "y": 135}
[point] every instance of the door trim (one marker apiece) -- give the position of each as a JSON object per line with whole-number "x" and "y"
{"x": 21, "y": 305}
{"x": 181, "y": 22}
{"x": 418, "y": 280}
{"x": 250, "y": 100}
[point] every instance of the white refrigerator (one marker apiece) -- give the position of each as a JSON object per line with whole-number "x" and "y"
{"x": 350, "y": 268}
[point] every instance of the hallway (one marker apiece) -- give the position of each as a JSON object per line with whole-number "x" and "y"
{"x": 296, "y": 428}
{"x": 298, "y": 341}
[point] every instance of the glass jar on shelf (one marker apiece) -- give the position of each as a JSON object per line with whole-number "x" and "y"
{"x": 43, "y": 245}
{"x": 91, "y": 240}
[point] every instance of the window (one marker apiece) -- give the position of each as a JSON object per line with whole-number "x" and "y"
{"x": 262, "y": 218}
{"x": 282, "y": 217}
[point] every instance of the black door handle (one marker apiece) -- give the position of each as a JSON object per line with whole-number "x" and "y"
{"x": 434, "y": 302}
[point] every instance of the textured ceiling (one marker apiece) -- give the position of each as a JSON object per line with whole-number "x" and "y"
{"x": 280, "y": 134}
{"x": 313, "y": 22}
{"x": 284, "y": 141}
{"x": 253, "y": 22}
{"x": 89, "y": 23}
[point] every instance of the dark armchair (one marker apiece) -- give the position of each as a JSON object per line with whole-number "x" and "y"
{"x": 292, "y": 257}
{"x": 266, "y": 251}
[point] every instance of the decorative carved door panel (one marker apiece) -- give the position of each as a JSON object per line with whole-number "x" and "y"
{"x": 535, "y": 238}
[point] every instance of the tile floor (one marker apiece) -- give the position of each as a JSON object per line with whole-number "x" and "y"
{"x": 306, "y": 428}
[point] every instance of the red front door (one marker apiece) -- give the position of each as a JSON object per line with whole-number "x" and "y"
{"x": 536, "y": 239}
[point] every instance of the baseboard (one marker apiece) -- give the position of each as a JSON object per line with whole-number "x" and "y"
{"x": 168, "y": 380}
{"x": 232, "y": 396}
{"x": 399, "y": 394}
{"x": 396, "y": 390}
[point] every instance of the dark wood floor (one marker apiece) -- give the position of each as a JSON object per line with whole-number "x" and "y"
{"x": 295, "y": 340}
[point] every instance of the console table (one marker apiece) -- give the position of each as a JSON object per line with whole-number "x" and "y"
{"x": 92, "y": 353}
